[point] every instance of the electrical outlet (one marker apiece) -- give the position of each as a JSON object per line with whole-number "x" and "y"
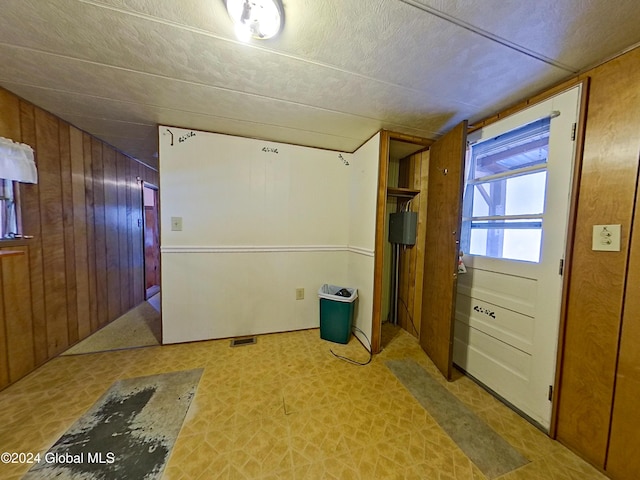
{"x": 176, "y": 224}
{"x": 299, "y": 293}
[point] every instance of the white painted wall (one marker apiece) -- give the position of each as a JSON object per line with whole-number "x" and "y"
{"x": 230, "y": 192}
{"x": 218, "y": 295}
{"x": 256, "y": 225}
{"x": 363, "y": 191}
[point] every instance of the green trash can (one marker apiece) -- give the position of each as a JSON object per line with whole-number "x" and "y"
{"x": 336, "y": 313}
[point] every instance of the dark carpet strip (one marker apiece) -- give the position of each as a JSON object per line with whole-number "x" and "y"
{"x": 486, "y": 449}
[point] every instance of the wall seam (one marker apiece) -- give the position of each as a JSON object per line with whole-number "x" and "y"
{"x": 622, "y": 316}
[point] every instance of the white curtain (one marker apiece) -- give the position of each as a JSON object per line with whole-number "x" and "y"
{"x": 17, "y": 162}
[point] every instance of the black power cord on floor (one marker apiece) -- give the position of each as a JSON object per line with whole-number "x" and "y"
{"x": 406, "y": 308}
{"x": 354, "y": 362}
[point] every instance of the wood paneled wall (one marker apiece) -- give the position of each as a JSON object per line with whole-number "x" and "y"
{"x": 598, "y": 282}
{"x": 623, "y": 461}
{"x": 84, "y": 266}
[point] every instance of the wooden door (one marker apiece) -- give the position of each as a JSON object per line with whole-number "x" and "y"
{"x": 444, "y": 207}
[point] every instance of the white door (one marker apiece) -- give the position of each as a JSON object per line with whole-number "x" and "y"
{"x": 515, "y": 212}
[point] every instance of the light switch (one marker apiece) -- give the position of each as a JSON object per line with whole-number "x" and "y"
{"x": 176, "y": 224}
{"x": 606, "y": 238}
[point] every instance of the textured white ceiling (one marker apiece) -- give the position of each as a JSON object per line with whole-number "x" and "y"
{"x": 338, "y": 72}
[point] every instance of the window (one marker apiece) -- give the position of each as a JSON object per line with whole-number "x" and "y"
{"x": 17, "y": 164}
{"x": 504, "y": 198}
{"x": 8, "y": 210}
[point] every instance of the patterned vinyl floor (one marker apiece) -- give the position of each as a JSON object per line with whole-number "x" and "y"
{"x": 284, "y": 408}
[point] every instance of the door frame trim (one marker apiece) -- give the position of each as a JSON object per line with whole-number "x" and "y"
{"x": 381, "y": 211}
{"x": 569, "y": 241}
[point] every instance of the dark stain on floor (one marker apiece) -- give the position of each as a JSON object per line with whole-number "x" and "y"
{"x": 127, "y": 434}
{"x": 133, "y": 456}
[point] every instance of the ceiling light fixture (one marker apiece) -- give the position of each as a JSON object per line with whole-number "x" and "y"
{"x": 260, "y": 19}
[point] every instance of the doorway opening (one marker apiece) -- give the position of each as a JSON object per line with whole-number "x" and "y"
{"x": 151, "y": 236}
{"x": 398, "y": 277}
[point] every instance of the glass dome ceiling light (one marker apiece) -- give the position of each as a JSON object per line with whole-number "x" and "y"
{"x": 261, "y": 19}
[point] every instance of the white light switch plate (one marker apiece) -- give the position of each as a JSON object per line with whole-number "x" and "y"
{"x": 176, "y": 224}
{"x": 606, "y": 238}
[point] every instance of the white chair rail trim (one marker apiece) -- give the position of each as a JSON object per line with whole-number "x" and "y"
{"x": 265, "y": 249}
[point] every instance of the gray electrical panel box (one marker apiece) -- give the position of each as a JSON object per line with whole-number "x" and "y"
{"x": 402, "y": 228}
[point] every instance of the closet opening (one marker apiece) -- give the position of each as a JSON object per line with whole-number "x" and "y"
{"x": 400, "y": 234}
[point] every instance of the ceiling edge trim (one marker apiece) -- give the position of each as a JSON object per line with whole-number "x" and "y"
{"x": 260, "y": 139}
{"x": 609, "y": 58}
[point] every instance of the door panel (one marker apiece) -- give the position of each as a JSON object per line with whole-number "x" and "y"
{"x": 503, "y": 324}
{"x": 509, "y": 310}
{"x": 446, "y": 167}
{"x": 514, "y": 292}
